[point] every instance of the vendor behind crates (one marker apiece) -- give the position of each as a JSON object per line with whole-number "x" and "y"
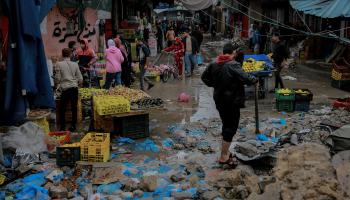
{"x": 68, "y": 78}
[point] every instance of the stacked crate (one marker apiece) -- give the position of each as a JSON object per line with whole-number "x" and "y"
{"x": 341, "y": 75}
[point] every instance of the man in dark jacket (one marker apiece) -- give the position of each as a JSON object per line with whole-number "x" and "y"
{"x": 143, "y": 54}
{"x": 280, "y": 54}
{"x": 228, "y": 79}
{"x": 197, "y": 33}
{"x": 191, "y": 50}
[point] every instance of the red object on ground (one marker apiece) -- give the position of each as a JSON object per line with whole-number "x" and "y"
{"x": 342, "y": 103}
{"x": 61, "y": 133}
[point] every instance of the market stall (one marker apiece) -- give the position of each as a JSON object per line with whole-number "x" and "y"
{"x": 259, "y": 65}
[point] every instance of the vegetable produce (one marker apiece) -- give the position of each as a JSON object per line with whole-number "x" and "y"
{"x": 86, "y": 93}
{"x": 131, "y": 94}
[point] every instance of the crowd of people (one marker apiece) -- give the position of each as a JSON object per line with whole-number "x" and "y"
{"x": 183, "y": 42}
{"x": 77, "y": 70}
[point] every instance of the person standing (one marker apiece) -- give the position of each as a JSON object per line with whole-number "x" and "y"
{"x": 143, "y": 54}
{"x": 263, "y": 38}
{"x": 251, "y": 35}
{"x": 178, "y": 48}
{"x": 280, "y": 54}
{"x": 73, "y": 48}
{"x": 87, "y": 58}
{"x": 126, "y": 68}
{"x": 68, "y": 78}
{"x": 227, "y": 78}
{"x": 170, "y": 36}
{"x": 191, "y": 50}
{"x": 197, "y": 33}
{"x": 159, "y": 38}
{"x": 256, "y": 40}
{"x": 114, "y": 59}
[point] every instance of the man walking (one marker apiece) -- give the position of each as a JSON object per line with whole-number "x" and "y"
{"x": 68, "y": 77}
{"x": 280, "y": 54}
{"x": 228, "y": 79}
{"x": 191, "y": 50}
{"x": 143, "y": 54}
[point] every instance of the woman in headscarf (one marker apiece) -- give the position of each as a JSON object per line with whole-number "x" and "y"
{"x": 114, "y": 59}
{"x": 86, "y": 59}
{"x": 126, "y": 69}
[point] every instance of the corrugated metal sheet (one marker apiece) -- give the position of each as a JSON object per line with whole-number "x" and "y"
{"x": 323, "y": 8}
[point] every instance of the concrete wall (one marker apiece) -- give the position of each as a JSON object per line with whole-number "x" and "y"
{"x": 53, "y": 45}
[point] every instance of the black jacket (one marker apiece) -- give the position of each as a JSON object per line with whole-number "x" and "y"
{"x": 199, "y": 36}
{"x": 195, "y": 47}
{"x": 280, "y": 53}
{"x": 228, "y": 81}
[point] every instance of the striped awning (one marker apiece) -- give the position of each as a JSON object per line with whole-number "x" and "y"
{"x": 323, "y": 8}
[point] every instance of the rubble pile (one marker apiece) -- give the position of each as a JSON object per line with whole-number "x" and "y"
{"x": 182, "y": 165}
{"x": 306, "y": 172}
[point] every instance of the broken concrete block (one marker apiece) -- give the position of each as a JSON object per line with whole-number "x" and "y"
{"x": 149, "y": 183}
{"x": 58, "y": 192}
{"x": 210, "y": 195}
{"x": 182, "y": 195}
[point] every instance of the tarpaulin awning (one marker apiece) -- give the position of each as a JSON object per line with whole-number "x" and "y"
{"x": 323, "y": 8}
{"x": 198, "y": 4}
{"x": 174, "y": 9}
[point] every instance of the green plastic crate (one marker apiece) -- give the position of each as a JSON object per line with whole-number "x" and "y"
{"x": 285, "y": 105}
{"x": 285, "y": 97}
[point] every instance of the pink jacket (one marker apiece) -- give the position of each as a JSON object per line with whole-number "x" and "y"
{"x": 114, "y": 59}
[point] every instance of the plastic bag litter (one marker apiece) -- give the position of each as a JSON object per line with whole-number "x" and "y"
{"x": 33, "y": 192}
{"x": 34, "y": 179}
{"x": 168, "y": 143}
{"x": 148, "y": 145}
{"x": 124, "y": 140}
{"x": 2, "y": 195}
{"x": 109, "y": 188}
{"x": 27, "y": 138}
{"x": 181, "y": 155}
{"x": 24, "y": 158}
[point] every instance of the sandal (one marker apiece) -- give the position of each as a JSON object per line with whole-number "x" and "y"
{"x": 231, "y": 162}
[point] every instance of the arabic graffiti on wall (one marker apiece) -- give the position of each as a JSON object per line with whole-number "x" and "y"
{"x": 59, "y": 31}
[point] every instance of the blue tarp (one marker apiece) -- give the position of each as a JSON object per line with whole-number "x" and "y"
{"x": 323, "y": 8}
{"x": 28, "y": 81}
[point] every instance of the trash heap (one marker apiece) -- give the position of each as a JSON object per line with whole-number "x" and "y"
{"x": 182, "y": 163}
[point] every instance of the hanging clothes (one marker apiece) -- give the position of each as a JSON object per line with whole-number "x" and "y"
{"x": 28, "y": 81}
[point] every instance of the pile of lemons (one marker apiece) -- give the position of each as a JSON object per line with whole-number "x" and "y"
{"x": 304, "y": 92}
{"x": 86, "y": 93}
{"x": 110, "y": 105}
{"x": 252, "y": 65}
{"x": 284, "y": 91}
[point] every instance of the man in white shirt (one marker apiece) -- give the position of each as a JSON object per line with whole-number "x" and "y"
{"x": 68, "y": 77}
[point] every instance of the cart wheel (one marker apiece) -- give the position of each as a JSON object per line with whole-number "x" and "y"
{"x": 176, "y": 73}
{"x": 166, "y": 75}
